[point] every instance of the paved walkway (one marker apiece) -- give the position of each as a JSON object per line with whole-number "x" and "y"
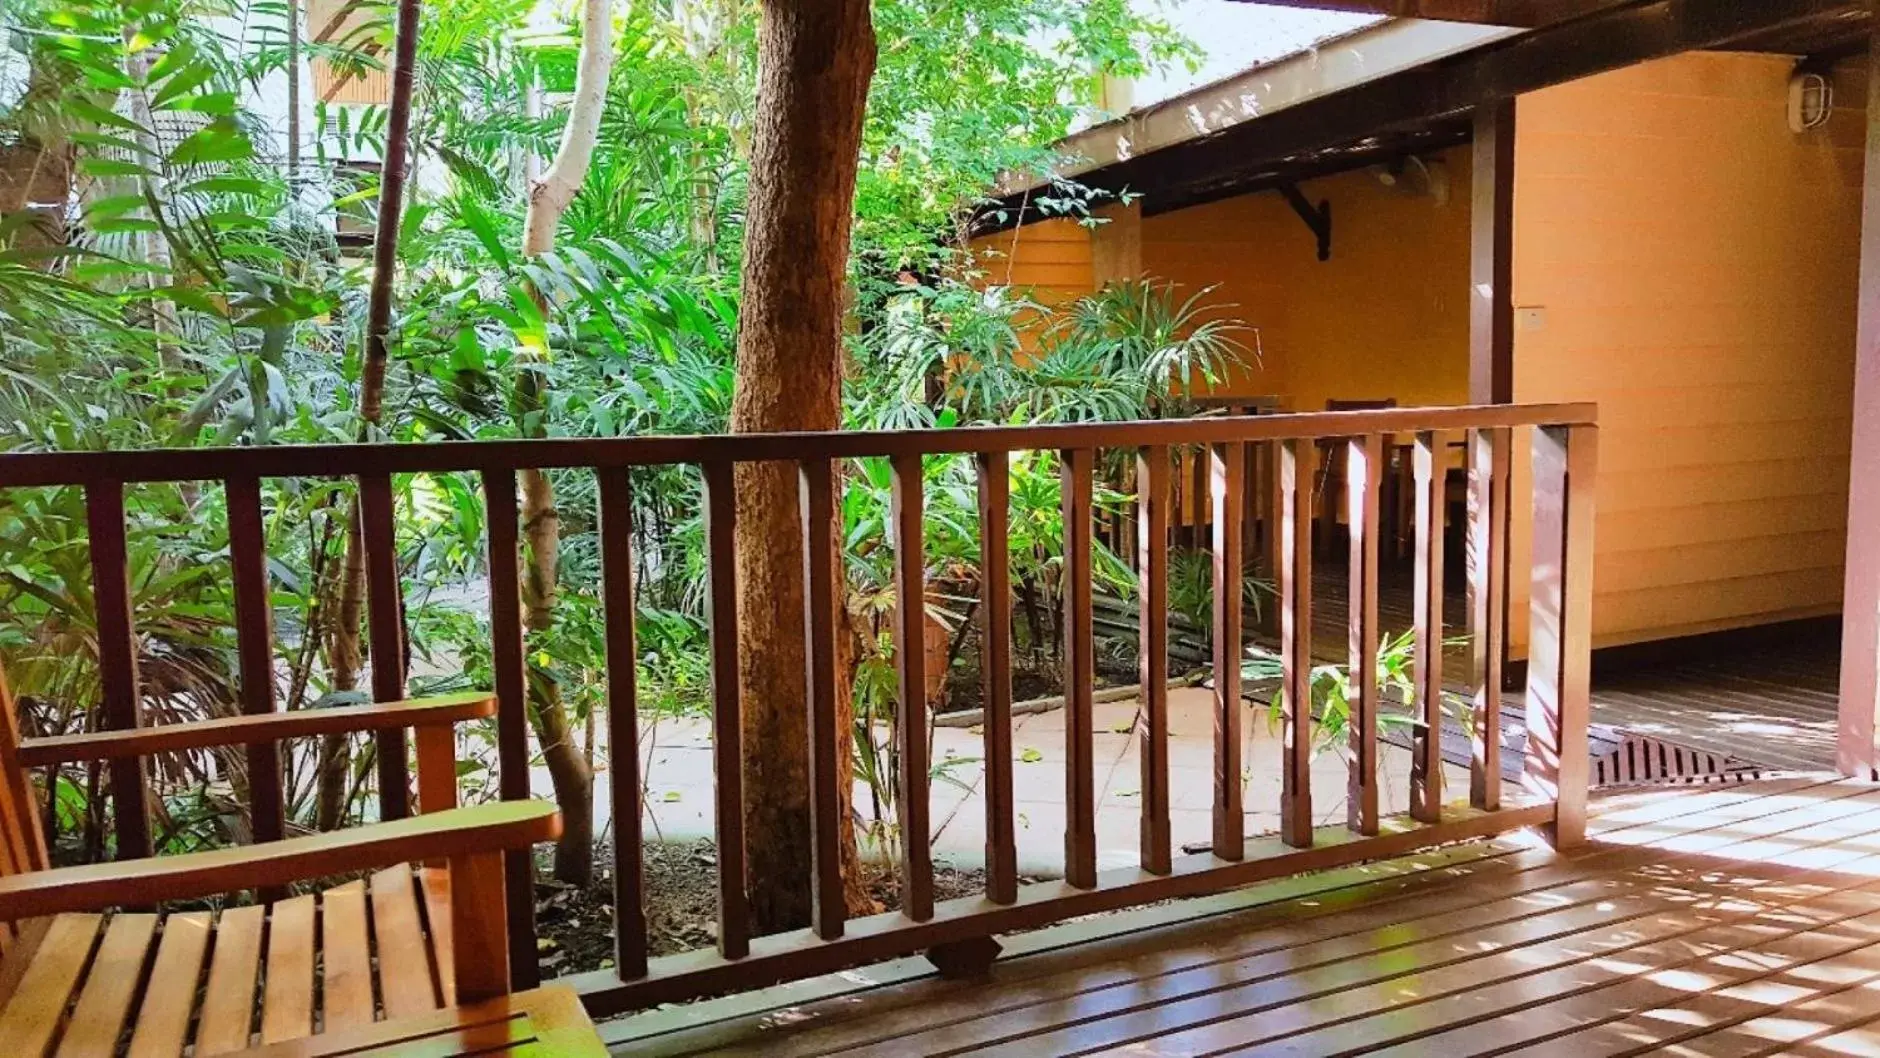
{"x": 679, "y": 783}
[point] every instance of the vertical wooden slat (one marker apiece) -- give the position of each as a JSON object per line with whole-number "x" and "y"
{"x": 254, "y": 637}
{"x": 1080, "y": 830}
{"x": 995, "y": 663}
{"x": 1152, "y": 473}
{"x": 385, "y": 622}
{"x": 117, "y": 660}
{"x": 822, "y": 593}
{"x": 1560, "y": 624}
{"x": 512, "y": 720}
{"x": 1296, "y": 459}
{"x": 437, "y": 767}
{"x": 1198, "y": 489}
{"x": 1488, "y": 602}
{"x": 1231, "y": 495}
{"x": 1271, "y": 550}
{"x": 1426, "y": 758}
{"x": 623, "y": 719}
{"x": 910, "y": 651}
{"x": 734, "y": 916}
{"x": 1365, "y": 466}
{"x": 477, "y": 927}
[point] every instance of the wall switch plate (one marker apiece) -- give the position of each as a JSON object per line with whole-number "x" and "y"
{"x": 1533, "y": 318}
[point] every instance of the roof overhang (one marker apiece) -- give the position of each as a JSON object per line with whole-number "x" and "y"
{"x": 1397, "y": 87}
{"x": 1333, "y": 66}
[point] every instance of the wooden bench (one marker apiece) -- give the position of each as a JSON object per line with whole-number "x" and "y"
{"x": 546, "y": 1022}
{"x": 427, "y": 930}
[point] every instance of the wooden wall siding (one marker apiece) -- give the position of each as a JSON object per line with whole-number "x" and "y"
{"x": 1695, "y": 265}
{"x": 1387, "y": 316}
{"x": 371, "y": 87}
{"x": 1048, "y": 262}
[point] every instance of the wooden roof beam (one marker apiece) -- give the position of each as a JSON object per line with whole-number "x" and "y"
{"x": 1524, "y": 13}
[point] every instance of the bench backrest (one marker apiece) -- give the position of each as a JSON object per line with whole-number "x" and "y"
{"x": 22, "y": 843}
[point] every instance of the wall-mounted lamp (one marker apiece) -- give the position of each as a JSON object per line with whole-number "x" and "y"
{"x": 1811, "y": 100}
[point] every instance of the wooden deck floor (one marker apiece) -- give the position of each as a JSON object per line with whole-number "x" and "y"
{"x": 1733, "y": 921}
{"x": 1772, "y": 704}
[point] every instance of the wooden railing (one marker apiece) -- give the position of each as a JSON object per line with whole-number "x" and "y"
{"x": 1562, "y": 441}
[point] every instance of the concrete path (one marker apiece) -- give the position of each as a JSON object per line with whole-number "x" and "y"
{"x": 679, "y": 773}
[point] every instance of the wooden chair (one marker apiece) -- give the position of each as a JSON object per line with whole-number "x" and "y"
{"x": 427, "y": 930}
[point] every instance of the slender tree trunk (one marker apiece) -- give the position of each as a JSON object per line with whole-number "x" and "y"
{"x": 344, "y": 657}
{"x": 293, "y": 94}
{"x": 549, "y": 198}
{"x": 815, "y": 59}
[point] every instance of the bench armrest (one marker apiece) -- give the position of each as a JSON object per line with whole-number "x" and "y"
{"x": 264, "y": 727}
{"x": 501, "y": 826}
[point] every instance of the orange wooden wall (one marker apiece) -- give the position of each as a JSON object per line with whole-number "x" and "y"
{"x": 1685, "y": 260}
{"x": 1681, "y": 258}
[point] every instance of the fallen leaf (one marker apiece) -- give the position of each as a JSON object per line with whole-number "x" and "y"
{"x": 1029, "y": 755}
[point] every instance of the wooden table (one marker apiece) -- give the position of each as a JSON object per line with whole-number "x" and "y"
{"x": 546, "y": 1022}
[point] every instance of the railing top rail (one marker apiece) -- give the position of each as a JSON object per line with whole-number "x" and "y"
{"x": 325, "y": 460}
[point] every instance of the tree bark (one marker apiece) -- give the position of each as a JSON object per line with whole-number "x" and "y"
{"x": 815, "y": 59}
{"x": 343, "y": 657}
{"x": 549, "y": 198}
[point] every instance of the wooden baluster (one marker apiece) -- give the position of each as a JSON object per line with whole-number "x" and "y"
{"x": 1296, "y": 459}
{"x": 1152, "y": 473}
{"x": 995, "y": 663}
{"x": 1560, "y": 624}
{"x": 385, "y": 625}
{"x": 822, "y": 593}
{"x": 117, "y": 660}
{"x": 1488, "y": 604}
{"x": 734, "y": 915}
{"x": 910, "y": 649}
{"x": 512, "y": 720}
{"x": 1229, "y": 480}
{"x": 1080, "y": 830}
{"x": 1198, "y": 477}
{"x": 623, "y": 719}
{"x": 1426, "y": 758}
{"x": 1272, "y": 551}
{"x": 1365, "y": 467}
{"x": 254, "y": 638}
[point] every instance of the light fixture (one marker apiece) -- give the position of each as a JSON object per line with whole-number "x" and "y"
{"x": 1811, "y": 100}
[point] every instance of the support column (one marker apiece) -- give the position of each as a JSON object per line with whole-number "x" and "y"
{"x": 1860, "y": 635}
{"x": 1491, "y": 256}
{"x": 1491, "y": 328}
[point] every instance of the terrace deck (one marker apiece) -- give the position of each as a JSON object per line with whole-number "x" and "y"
{"x": 1739, "y": 920}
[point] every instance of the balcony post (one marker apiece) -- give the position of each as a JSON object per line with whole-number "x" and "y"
{"x": 1860, "y": 622}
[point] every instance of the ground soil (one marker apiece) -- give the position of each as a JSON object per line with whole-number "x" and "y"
{"x": 575, "y": 926}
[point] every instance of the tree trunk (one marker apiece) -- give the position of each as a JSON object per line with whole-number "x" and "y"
{"x": 343, "y": 657}
{"x": 815, "y": 59}
{"x": 293, "y": 95}
{"x": 548, "y": 199}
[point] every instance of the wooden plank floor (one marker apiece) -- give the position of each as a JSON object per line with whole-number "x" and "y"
{"x": 1773, "y": 705}
{"x": 1741, "y": 921}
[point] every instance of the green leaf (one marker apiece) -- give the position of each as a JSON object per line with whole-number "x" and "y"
{"x": 110, "y": 167}
{"x": 227, "y": 185}
{"x": 220, "y": 141}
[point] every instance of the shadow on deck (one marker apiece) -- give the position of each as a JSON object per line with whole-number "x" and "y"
{"x": 1768, "y": 701}
{"x": 1741, "y": 920}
